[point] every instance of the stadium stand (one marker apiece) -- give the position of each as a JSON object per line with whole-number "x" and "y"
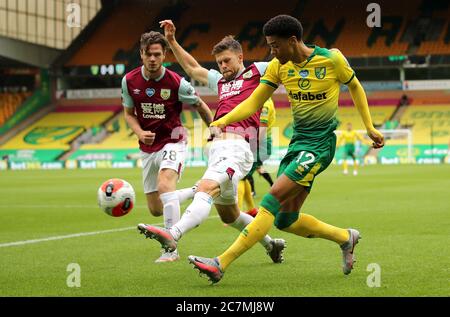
{"x": 9, "y": 103}
{"x": 380, "y": 114}
{"x": 408, "y": 27}
{"x": 51, "y": 136}
{"x": 430, "y": 123}
{"x": 337, "y": 26}
{"x": 133, "y": 17}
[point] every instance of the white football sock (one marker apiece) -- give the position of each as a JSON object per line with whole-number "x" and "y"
{"x": 171, "y": 208}
{"x": 185, "y": 194}
{"x": 194, "y": 215}
{"x": 242, "y": 221}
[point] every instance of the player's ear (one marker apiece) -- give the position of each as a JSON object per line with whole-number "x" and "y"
{"x": 292, "y": 40}
{"x": 241, "y": 57}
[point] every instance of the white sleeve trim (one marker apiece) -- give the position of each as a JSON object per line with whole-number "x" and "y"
{"x": 262, "y": 67}
{"x": 186, "y": 93}
{"x": 127, "y": 101}
{"x": 213, "y": 79}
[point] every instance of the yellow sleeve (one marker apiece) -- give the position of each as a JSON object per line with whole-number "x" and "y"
{"x": 360, "y": 100}
{"x": 271, "y": 76}
{"x": 248, "y": 107}
{"x": 264, "y": 117}
{"x": 344, "y": 72}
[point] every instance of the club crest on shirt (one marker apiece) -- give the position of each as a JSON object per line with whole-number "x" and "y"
{"x": 149, "y": 92}
{"x": 165, "y": 94}
{"x": 248, "y": 74}
{"x": 320, "y": 72}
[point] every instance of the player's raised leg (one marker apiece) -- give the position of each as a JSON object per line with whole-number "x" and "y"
{"x": 284, "y": 190}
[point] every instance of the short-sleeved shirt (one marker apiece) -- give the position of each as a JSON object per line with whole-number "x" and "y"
{"x": 233, "y": 92}
{"x": 350, "y": 137}
{"x": 268, "y": 116}
{"x": 313, "y": 89}
{"x": 158, "y": 104}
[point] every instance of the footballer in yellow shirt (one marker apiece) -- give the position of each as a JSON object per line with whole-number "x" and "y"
{"x": 349, "y": 138}
{"x": 312, "y": 76}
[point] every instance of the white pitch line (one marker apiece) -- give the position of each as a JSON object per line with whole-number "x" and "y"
{"x": 55, "y": 206}
{"x": 75, "y": 235}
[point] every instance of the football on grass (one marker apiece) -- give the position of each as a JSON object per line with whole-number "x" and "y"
{"x": 116, "y": 197}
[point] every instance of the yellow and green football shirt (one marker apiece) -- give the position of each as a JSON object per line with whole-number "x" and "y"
{"x": 312, "y": 88}
{"x": 350, "y": 137}
{"x": 268, "y": 116}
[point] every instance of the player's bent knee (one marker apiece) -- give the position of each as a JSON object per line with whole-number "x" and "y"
{"x": 167, "y": 181}
{"x": 210, "y": 187}
{"x": 284, "y": 219}
{"x": 165, "y": 188}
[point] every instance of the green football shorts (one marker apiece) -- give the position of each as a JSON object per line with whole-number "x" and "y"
{"x": 349, "y": 150}
{"x": 307, "y": 158}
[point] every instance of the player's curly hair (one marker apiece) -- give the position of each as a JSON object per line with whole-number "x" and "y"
{"x": 153, "y": 37}
{"x": 283, "y": 26}
{"x": 227, "y": 43}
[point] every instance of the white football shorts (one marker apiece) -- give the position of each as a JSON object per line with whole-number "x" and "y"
{"x": 229, "y": 161}
{"x": 171, "y": 156}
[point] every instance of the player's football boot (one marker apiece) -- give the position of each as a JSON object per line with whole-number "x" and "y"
{"x": 161, "y": 235}
{"x": 348, "y": 259}
{"x": 168, "y": 257}
{"x": 208, "y": 266}
{"x": 252, "y": 212}
{"x": 276, "y": 251}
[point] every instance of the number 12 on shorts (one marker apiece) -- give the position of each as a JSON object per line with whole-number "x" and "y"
{"x": 305, "y": 158}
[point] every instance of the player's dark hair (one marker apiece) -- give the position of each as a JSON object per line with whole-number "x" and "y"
{"x": 153, "y": 37}
{"x": 283, "y": 26}
{"x": 227, "y": 43}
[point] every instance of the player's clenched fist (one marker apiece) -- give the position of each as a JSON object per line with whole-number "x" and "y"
{"x": 220, "y": 123}
{"x": 147, "y": 137}
{"x": 377, "y": 137}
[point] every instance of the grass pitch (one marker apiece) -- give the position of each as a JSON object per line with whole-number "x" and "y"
{"x": 403, "y": 213}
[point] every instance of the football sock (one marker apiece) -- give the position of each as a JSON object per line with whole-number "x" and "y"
{"x": 267, "y": 178}
{"x": 310, "y": 227}
{"x": 251, "y": 234}
{"x": 252, "y": 182}
{"x": 345, "y": 165}
{"x": 355, "y": 165}
{"x": 195, "y": 214}
{"x": 241, "y": 192}
{"x": 242, "y": 221}
{"x": 171, "y": 208}
{"x": 248, "y": 198}
{"x": 185, "y": 194}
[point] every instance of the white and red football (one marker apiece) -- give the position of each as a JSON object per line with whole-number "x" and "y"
{"x": 116, "y": 197}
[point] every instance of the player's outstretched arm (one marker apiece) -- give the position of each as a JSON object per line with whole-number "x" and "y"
{"x": 204, "y": 112}
{"x": 248, "y": 107}
{"x": 189, "y": 64}
{"x": 360, "y": 101}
